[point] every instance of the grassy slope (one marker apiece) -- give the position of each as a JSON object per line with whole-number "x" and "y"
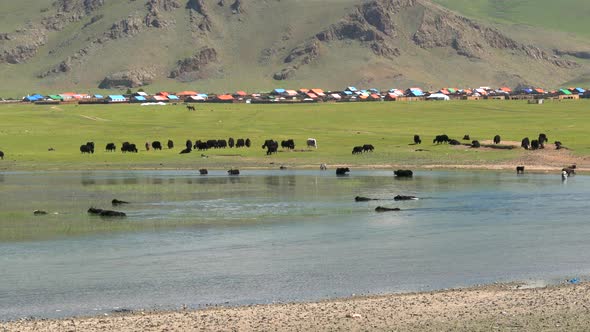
{"x": 568, "y": 16}
{"x": 28, "y": 131}
{"x": 281, "y": 26}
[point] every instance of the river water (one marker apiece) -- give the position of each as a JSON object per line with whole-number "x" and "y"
{"x": 275, "y": 236}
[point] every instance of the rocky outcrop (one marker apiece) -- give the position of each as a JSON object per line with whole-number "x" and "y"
{"x": 191, "y": 68}
{"x": 128, "y": 79}
{"x": 285, "y": 73}
{"x": 69, "y": 11}
{"x": 199, "y": 16}
{"x": 63, "y": 67}
{"x": 236, "y": 7}
{"x": 153, "y": 18}
{"x": 22, "y": 45}
{"x": 127, "y": 27}
{"x": 442, "y": 28}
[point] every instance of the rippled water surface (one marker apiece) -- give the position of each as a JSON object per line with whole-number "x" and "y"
{"x": 268, "y": 236}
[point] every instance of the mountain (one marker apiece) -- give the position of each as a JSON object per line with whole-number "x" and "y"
{"x": 224, "y": 45}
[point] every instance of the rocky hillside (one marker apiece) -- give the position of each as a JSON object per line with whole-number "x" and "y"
{"x": 229, "y": 44}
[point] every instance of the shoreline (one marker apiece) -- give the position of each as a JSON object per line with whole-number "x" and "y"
{"x": 381, "y": 167}
{"x": 499, "y": 306}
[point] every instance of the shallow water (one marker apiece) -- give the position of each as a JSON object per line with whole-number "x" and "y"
{"x": 268, "y": 236}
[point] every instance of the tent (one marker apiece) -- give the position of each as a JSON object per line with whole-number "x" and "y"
{"x": 438, "y": 96}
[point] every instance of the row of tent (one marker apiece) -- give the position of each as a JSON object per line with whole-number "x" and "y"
{"x": 350, "y": 93}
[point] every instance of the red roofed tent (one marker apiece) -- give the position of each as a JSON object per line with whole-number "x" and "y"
{"x": 312, "y": 95}
{"x": 241, "y": 93}
{"x": 224, "y": 98}
{"x": 318, "y": 92}
{"x": 186, "y": 93}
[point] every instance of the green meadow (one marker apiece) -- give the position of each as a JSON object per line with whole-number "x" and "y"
{"x": 28, "y": 131}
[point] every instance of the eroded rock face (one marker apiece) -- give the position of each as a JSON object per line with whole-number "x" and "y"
{"x": 191, "y": 67}
{"x": 128, "y": 79}
{"x": 199, "y": 15}
{"x": 153, "y": 17}
{"x": 127, "y": 27}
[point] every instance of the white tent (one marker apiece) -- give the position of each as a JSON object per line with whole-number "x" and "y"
{"x": 438, "y": 96}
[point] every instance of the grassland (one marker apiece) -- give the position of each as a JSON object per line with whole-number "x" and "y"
{"x": 28, "y": 131}
{"x": 567, "y": 16}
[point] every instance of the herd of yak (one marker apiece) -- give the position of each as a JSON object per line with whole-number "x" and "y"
{"x": 526, "y": 143}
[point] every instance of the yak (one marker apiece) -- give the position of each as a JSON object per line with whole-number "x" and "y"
{"x": 497, "y": 139}
{"x": 403, "y": 173}
{"x": 417, "y": 139}
{"x": 156, "y": 145}
{"x": 342, "y": 170}
{"x": 170, "y": 144}
{"x": 525, "y": 143}
{"x": 111, "y": 147}
{"x": 357, "y": 150}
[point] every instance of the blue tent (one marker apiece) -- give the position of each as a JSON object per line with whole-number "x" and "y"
{"x": 580, "y": 90}
{"x": 204, "y": 95}
{"x": 528, "y": 90}
{"x": 99, "y": 96}
{"x": 34, "y": 97}
{"x": 347, "y": 92}
{"x": 278, "y": 91}
{"x": 172, "y": 97}
{"x": 374, "y": 90}
{"x": 117, "y": 98}
{"x": 139, "y": 98}
{"x": 351, "y": 89}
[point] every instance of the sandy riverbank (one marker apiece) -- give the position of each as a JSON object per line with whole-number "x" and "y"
{"x": 506, "y": 307}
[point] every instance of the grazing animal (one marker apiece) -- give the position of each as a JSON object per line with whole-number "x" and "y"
{"x": 156, "y": 145}
{"x": 454, "y": 142}
{"x": 1, "y": 155}
{"x": 385, "y": 209}
{"x": 271, "y": 146}
{"x": 466, "y": 138}
{"x": 240, "y": 143}
{"x": 312, "y": 143}
{"x": 570, "y": 171}
{"x": 39, "y": 213}
{"x": 90, "y": 145}
{"x": 417, "y": 139}
{"x": 403, "y": 173}
{"x": 106, "y": 213}
{"x": 188, "y": 144}
{"x": 342, "y": 170}
{"x": 323, "y": 167}
{"x": 364, "y": 199}
{"x": 212, "y": 143}
{"x": 201, "y": 145}
{"x": 247, "y": 142}
{"x": 203, "y": 171}
{"x": 288, "y": 144}
{"x": 404, "y": 198}
{"x": 221, "y": 144}
{"x": 170, "y": 144}
{"x": 519, "y": 169}
{"x": 558, "y": 145}
{"x": 233, "y": 172}
{"x": 525, "y": 143}
{"x": 475, "y": 144}
{"x": 497, "y": 139}
{"x": 111, "y": 147}
{"x": 441, "y": 139}
{"x": 230, "y": 142}
{"x": 190, "y": 108}
{"x": 128, "y": 147}
{"x": 185, "y": 151}
{"x": 368, "y": 148}
{"x": 84, "y": 148}
{"x": 116, "y": 202}
{"x": 535, "y": 144}
{"x": 147, "y": 146}
{"x": 357, "y": 150}
{"x": 543, "y": 138}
